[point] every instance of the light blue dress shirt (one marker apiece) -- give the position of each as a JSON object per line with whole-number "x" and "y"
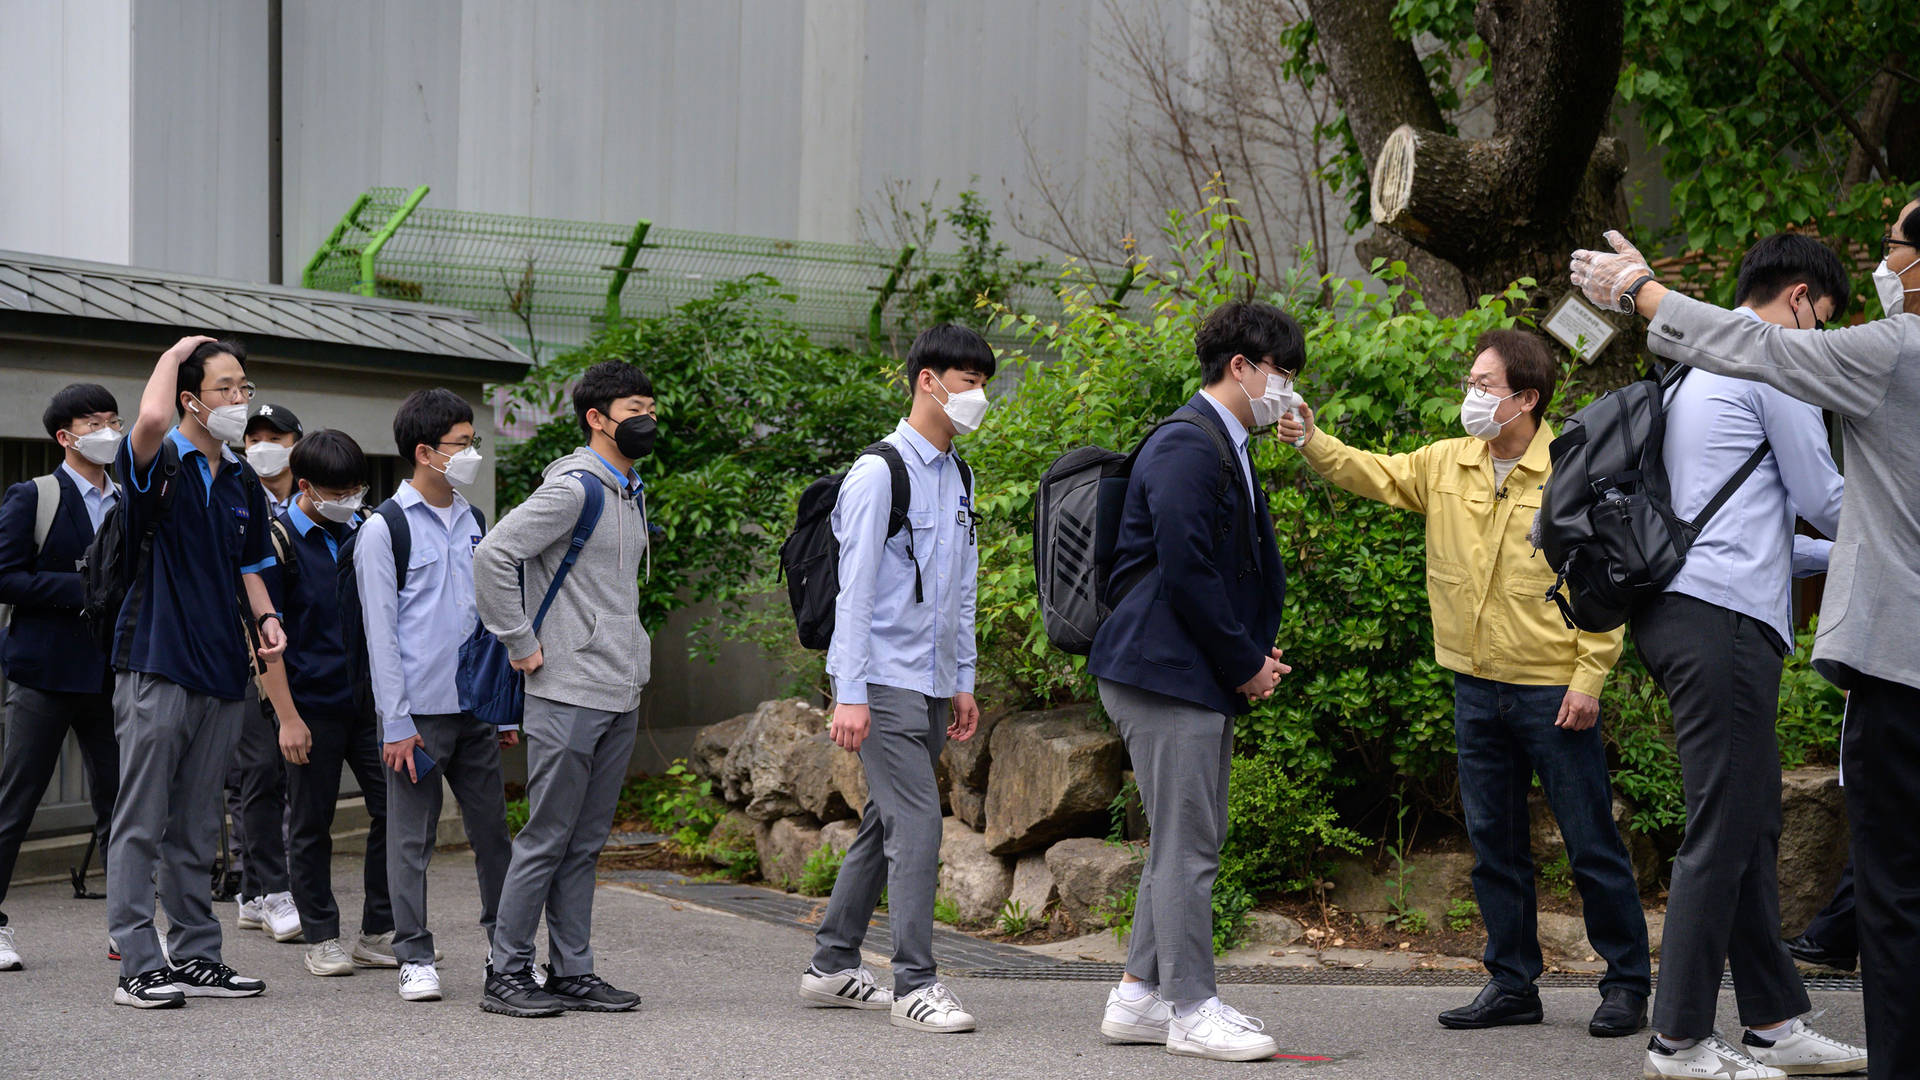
{"x": 1238, "y": 433}
{"x": 880, "y": 635}
{"x": 414, "y": 634}
{"x": 1747, "y": 556}
{"x": 98, "y": 501}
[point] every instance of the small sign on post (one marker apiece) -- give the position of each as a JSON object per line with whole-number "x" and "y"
{"x": 1579, "y": 326}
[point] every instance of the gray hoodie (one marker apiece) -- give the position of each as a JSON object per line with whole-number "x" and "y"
{"x": 596, "y": 654}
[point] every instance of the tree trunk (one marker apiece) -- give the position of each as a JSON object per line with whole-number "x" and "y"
{"x": 1376, "y": 75}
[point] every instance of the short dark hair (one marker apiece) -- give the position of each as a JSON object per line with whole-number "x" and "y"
{"x": 1783, "y": 260}
{"x": 942, "y": 348}
{"x": 426, "y": 417}
{"x": 329, "y": 459}
{"x": 1530, "y": 364}
{"x": 75, "y": 401}
{"x": 193, "y": 370}
{"x": 605, "y": 383}
{"x": 1252, "y": 329}
{"x": 1910, "y": 225}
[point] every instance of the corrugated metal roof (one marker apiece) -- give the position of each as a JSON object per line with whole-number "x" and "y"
{"x": 47, "y": 285}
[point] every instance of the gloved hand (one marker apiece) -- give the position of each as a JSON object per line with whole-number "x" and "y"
{"x": 1605, "y": 276}
{"x": 1296, "y": 425}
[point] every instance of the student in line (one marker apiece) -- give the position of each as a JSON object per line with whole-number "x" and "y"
{"x": 257, "y": 782}
{"x": 182, "y": 653}
{"x": 582, "y": 694}
{"x": 1526, "y": 687}
{"x": 413, "y": 636}
{"x": 1196, "y": 592}
{"x": 57, "y": 677}
{"x": 321, "y": 728}
{"x": 902, "y": 662}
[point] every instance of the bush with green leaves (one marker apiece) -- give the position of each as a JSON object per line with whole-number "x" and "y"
{"x": 820, "y": 871}
{"x": 679, "y": 803}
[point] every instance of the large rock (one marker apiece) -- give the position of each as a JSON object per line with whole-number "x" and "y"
{"x": 1548, "y": 845}
{"x": 1270, "y": 928}
{"x": 839, "y": 835}
{"x": 755, "y": 771}
{"x": 850, "y": 780}
{"x": 784, "y": 845}
{"x": 966, "y": 762}
{"x": 1813, "y": 844}
{"x": 711, "y": 745}
{"x": 1429, "y": 882}
{"x": 1089, "y": 873}
{"x": 968, "y": 804}
{"x": 810, "y": 768}
{"x": 976, "y": 881}
{"x": 1051, "y": 777}
{"x": 1033, "y": 886}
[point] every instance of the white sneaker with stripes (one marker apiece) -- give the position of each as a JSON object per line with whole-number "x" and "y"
{"x": 853, "y": 988}
{"x": 932, "y": 1008}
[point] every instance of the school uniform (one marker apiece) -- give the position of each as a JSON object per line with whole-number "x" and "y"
{"x": 1204, "y": 589}
{"x": 905, "y": 660}
{"x": 320, "y": 679}
{"x": 183, "y": 659}
{"x": 413, "y": 655}
{"x": 57, "y": 677}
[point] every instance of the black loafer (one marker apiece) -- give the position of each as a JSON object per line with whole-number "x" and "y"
{"x": 1808, "y": 951}
{"x": 1621, "y": 1012}
{"x": 1494, "y": 1008}
{"x": 589, "y": 993}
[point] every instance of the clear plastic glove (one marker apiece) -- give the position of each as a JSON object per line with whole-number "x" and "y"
{"x": 1605, "y": 276}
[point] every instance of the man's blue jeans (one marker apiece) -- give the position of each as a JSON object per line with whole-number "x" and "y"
{"x": 1504, "y": 734}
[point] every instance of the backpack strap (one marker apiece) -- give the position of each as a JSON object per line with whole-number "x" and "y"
{"x": 582, "y": 529}
{"x": 1699, "y": 524}
{"x": 47, "y": 492}
{"x": 902, "y": 498}
{"x": 400, "y": 535}
{"x": 167, "y": 463}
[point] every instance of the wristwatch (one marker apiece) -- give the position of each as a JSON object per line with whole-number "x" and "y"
{"x": 1627, "y": 299}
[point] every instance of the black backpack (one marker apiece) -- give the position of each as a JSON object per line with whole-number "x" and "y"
{"x": 1076, "y": 523}
{"x": 109, "y": 572}
{"x": 810, "y": 557}
{"x": 1606, "y": 518}
{"x": 353, "y": 625}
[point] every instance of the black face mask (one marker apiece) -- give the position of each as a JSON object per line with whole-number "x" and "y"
{"x": 635, "y": 437}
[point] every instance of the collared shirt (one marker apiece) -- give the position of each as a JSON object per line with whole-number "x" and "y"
{"x": 414, "y": 634}
{"x": 880, "y": 635}
{"x": 184, "y": 622}
{"x": 629, "y": 479}
{"x": 98, "y": 502}
{"x": 306, "y": 592}
{"x": 1236, "y": 431}
{"x": 1744, "y": 560}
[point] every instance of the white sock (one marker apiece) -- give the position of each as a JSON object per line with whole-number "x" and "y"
{"x": 1185, "y": 1009}
{"x": 1134, "y": 991}
{"x": 1775, "y": 1033}
{"x": 1677, "y": 1044}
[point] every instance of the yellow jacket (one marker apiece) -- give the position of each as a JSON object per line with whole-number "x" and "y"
{"x": 1487, "y": 588}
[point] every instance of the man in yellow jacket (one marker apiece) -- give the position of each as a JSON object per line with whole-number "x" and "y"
{"x": 1526, "y": 688}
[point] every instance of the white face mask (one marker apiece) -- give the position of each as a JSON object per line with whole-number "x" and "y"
{"x": 463, "y": 468}
{"x": 1476, "y": 414}
{"x": 965, "y": 409}
{"x": 228, "y": 423}
{"x": 1893, "y": 292}
{"x": 338, "y": 510}
{"x": 99, "y": 447}
{"x": 269, "y": 458}
{"x": 1276, "y": 401}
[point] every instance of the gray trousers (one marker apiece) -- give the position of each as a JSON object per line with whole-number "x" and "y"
{"x": 466, "y": 752}
{"x": 1182, "y": 754}
{"x": 174, "y": 748}
{"x": 898, "y": 846}
{"x": 576, "y": 765}
{"x": 1721, "y": 673}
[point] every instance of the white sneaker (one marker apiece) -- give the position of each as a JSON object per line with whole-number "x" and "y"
{"x": 853, "y": 988}
{"x": 328, "y": 959}
{"x": 1802, "y": 1051}
{"x": 282, "y": 918}
{"x": 113, "y": 949}
{"x": 419, "y": 982}
{"x": 9, "y": 956}
{"x": 932, "y": 1008}
{"x": 1217, "y": 1031}
{"x": 1712, "y": 1056}
{"x": 253, "y": 914}
{"x": 1142, "y": 1020}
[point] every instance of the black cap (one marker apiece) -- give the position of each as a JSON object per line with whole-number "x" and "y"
{"x": 278, "y": 417}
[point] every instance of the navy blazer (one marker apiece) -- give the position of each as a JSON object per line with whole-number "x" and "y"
{"x": 1202, "y": 616}
{"x": 48, "y": 647}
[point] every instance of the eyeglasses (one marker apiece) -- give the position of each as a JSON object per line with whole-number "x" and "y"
{"x": 89, "y": 426}
{"x": 473, "y": 444}
{"x": 1468, "y": 386}
{"x": 235, "y": 394}
{"x": 1888, "y": 243}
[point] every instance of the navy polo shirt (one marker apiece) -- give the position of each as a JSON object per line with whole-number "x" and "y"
{"x": 190, "y": 628}
{"x": 318, "y": 674}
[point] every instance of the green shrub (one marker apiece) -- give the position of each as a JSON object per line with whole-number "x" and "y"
{"x": 678, "y": 803}
{"x": 517, "y": 811}
{"x": 946, "y": 910}
{"x": 1411, "y": 921}
{"x": 1015, "y": 919}
{"x": 821, "y": 870}
{"x": 1116, "y": 912}
{"x": 1558, "y": 875}
{"x": 1460, "y": 915}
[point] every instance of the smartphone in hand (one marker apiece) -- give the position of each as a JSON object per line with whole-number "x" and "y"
{"x": 422, "y": 764}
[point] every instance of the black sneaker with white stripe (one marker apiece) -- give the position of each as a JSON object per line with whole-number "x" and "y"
{"x": 149, "y": 990}
{"x": 853, "y": 988}
{"x": 211, "y": 978}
